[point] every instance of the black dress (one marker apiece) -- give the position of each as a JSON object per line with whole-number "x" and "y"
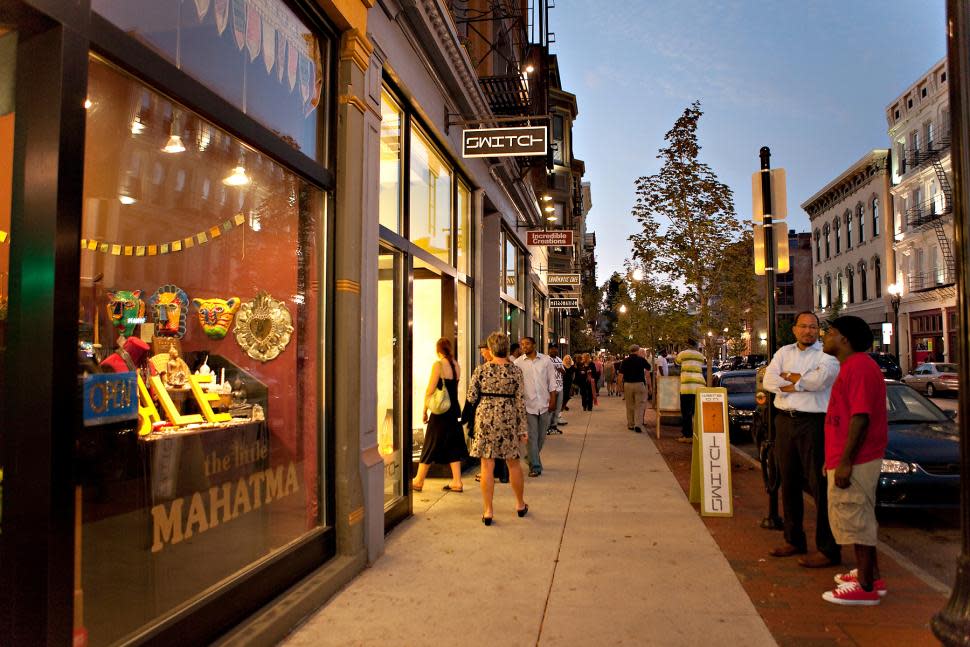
{"x": 444, "y": 441}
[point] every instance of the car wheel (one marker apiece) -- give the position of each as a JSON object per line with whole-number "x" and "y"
{"x": 930, "y": 390}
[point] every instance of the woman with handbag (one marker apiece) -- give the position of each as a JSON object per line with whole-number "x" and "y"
{"x": 444, "y": 441}
{"x": 501, "y": 425}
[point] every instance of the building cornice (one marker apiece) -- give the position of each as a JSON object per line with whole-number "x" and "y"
{"x": 854, "y": 178}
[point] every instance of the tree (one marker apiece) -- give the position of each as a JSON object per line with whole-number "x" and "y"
{"x": 700, "y": 220}
{"x": 656, "y": 314}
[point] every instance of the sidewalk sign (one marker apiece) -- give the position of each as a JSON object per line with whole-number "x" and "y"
{"x": 668, "y": 397}
{"x": 710, "y": 469}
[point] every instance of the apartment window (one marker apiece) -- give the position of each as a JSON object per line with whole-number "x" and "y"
{"x": 848, "y": 230}
{"x": 922, "y": 92}
{"x": 875, "y": 217}
{"x": 839, "y": 288}
{"x": 909, "y": 103}
{"x": 877, "y": 268}
{"x": 943, "y": 78}
{"x": 827, "y": 233}
{"x": 818, "y": 246}
{"x": 838, "y": 236}
{"x": 850, "y": 280}
{"x": 914, "y": 141}
{"x": 861, "y": 214}
{"x": 900, "y": 157}
{"x": 863, "y": 281}
{"x": 930, "y": 132}
{"x": 828, "y": 289}
{"x": 818, "y": 290}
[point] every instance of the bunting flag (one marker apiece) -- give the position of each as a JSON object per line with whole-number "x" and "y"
{"x": 304, "y": 77}
{"x": 254, "y": 31}
{"x": 157, "y": 249}
{"x": 269, "y": 46}
{"x": 317, "y": 90}
{"x": 280, "y": 57}
{"x": 201, "y": 8}
{"x": 291, "y": 65}
{"x": 222, "y": 15}
{"x": 239, "y": 22}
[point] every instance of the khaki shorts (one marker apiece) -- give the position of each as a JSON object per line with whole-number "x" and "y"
{"x": 852, "y": 511}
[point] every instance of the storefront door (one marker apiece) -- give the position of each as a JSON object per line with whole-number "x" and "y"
{"x": 426, "y": 329}
{"x": 390, "y": 385}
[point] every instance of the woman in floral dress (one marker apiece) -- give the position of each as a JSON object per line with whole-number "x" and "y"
{"x": 500, "y": 422}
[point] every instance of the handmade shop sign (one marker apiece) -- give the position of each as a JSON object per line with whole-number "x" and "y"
{"x": 504, "y": 142}
{"x": 568, "y": 303}
{"x": 711, "y": 461}
{"x": 562, "y": 279}
{"x": 110, "y": 397}
{"x": 551, "y": 238}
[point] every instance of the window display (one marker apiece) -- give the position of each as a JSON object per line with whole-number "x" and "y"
{"x": 199, "y": 455}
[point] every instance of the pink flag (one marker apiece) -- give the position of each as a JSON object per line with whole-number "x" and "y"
{"x": 254, "y": 31}
{"x": 222, "y": 15}
{"x": 269, "y": 45}
{"x": 291, "y": 65}
{"x": 280, "y": 57}
{"x": 239, "y": 22}
{"x": 201, "y": 8}
{"x": 305, "y": 67}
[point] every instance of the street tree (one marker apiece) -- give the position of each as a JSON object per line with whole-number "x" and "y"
{"x": 687, "y": 220}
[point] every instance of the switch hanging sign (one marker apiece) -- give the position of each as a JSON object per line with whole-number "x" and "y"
{"x": 505, "y": 142}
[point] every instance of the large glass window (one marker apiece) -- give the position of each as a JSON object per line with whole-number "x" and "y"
{"x": 464, "y": 229}
{"x": 512, "y": 264}
{"x": 430, "y": 215}
{"x": 256, "y": 54}
{"x": 425, "y": 332}
{"x": 391, "y": 139}
{"x": 467, "y": 345}
{"x": 201, "y": 305}
{"x": 8, "y": 53}
{"x": 390, "y": 319}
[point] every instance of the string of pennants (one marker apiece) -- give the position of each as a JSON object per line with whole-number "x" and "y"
{"x": 200, "y": 238}
{"x": 268, "y": 27}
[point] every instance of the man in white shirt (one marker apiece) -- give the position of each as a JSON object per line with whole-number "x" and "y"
{"x": 801, "y": 376}
{"x": 661, "y": 363}
{"x": 539, "y": 378}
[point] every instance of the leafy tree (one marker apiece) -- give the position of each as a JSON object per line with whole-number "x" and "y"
{"x": 699, "y": 221}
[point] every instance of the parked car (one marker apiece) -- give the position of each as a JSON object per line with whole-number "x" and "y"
{"x": 934, "y": 377}
{"x": 888, "y": 365}
{"x": 741, "y": 386}
{"x": 922, "y": 463}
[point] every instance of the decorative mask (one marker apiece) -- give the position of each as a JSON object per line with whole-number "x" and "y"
{"x": 125, "y": 310}
{"x": 215, "y": 315}
{"x": 169, "y": 305}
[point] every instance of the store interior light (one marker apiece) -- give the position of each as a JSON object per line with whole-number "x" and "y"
{"x": 546, "y": 198}
{"x": 238, "y": 177}
{"x": 529, "y": 69}
{"x": 137, "y": 127}
{"x": 174, "y": 145}
{"x": 551, "y": 218}
{"x": 126, "y": 199}
{"x": 550, "y": 209}
{"x": 87, "y": 104}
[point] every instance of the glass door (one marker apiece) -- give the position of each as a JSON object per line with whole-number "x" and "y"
{"x": 426, "y": 329}
{"x": 390, "y": 362}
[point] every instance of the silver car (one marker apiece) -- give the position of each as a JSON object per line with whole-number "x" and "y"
{"x": 934, "y": 377}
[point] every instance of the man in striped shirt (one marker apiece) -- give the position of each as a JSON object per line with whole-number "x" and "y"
{"x": 691, "y": 363}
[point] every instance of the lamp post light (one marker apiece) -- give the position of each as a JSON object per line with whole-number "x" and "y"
{"x": 895, "y": 296}
{"x": 623, "y": 309}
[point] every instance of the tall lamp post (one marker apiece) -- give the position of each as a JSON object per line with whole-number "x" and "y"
{"x": 895, "y": 295}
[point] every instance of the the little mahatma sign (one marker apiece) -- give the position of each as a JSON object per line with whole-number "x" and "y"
{"x": 564, "y": 302}
{"x": 551, "y": 238}
{"x": 562, "y": 279}
{"x": 504, "y": 142}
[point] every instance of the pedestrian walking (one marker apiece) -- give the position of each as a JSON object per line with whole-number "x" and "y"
{"x": 501, "y": 471}
{"x": 598, "y": 380}
{"x": 801, "y": 376}
{"x": 539, "y": 379}
{"x": 584, "y": 379}
{"x": 568, "y": 379}
{"x": 501, "y": 424}
{"x": 856, "y": 433}
{"x": 661, "y": 363}
{"x": 444, "y": 442}
{"x": 691, "y": 363}
{"x": 610, "y": 376}
{"x": 633, "y": 378}
{"x": 556, "y": 418}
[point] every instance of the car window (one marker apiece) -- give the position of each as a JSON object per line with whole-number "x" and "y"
{"x": 739, "y": 384}
{"x": 947, "y": 368}
{"x": 903, "y": 404}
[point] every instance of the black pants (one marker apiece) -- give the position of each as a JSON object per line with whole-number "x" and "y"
{"x": 800, "y": 453}
{"x": 586, "y": 391}
{"x": 687, "y": 404}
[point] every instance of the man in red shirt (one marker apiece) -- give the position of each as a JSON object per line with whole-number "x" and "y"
{"x": 856, "y": 432}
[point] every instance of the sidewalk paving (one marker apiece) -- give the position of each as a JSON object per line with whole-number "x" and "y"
{"x": 611, "y": 553}
{"x": 789, "y": 597}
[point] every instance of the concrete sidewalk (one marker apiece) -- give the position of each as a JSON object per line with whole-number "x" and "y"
{"x": 611, "y": 553}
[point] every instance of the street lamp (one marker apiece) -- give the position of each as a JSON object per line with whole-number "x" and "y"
{"x": 637, "y": 274}
{"x": 623, "y": 309}
{"x": 895, "y": 296}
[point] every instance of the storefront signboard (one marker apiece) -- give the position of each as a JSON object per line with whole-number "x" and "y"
{"x": 562, "y": 279}
{"x": 504, "y": 142}
{"x": 711, "y": 463}
{"x": 567, "y": 303}
{"x": 551, "y": 238}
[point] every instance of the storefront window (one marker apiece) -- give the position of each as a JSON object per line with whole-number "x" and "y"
{"x": 538, "y": 318}
{"x": 391, "y": 133}
{"x": 201, "y": 304}
{"x": 512, "y": 275}
{"x": 256, "y": 54}
{"x": 467, "y": 346}
{"x": 431, "y": 226}
{"x": 464, "y": 229}
{"x": 8, "y": 53}
{"x": 390, "y": 290}
{"x": 425, "y": 332}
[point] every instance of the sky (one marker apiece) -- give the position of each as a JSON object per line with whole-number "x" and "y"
{"x": 809, "y": 79}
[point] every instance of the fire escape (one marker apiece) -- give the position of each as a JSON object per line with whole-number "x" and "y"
{"x": 932, "y": 213}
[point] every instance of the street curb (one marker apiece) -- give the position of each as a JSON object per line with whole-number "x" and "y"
{"x": 928, "y": 579}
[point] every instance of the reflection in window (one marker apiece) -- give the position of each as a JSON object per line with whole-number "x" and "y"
{"x": 391, "y": 137}
{"x": 222, "y": 468}
{"x": 430, "y": 214}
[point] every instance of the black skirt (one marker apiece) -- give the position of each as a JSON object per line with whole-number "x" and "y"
{"x": 444, "y": 440}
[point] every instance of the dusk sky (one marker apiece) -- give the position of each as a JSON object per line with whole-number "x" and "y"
{"x": 811, "y": 80}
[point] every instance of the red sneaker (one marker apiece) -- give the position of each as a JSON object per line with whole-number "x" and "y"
{"x": 853, "y": 576}
{"x": 851, "y": 594}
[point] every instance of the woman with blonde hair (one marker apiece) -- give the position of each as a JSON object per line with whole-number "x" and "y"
{"x": 444, "y": 441}
{"x": 568, "y": 379}
{"x": 496, "y": 389}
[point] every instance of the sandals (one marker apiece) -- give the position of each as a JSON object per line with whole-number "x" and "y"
{"x": 448, "y": 488}
{"x": 524, "y": 511}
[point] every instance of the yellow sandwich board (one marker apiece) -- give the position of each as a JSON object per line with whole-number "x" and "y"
{"x": 710, "y": 470}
